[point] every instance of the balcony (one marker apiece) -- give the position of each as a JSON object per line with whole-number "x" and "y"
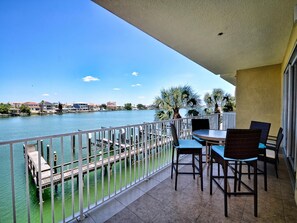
{"x": 156, "y": 200}
{"x": 92, "y": 175}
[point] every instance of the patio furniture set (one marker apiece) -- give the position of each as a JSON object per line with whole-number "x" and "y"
{"x": 231, "y": 149}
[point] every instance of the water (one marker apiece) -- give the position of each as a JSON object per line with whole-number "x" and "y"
{"x": 26, "y": 127}
{"x": 33, "y": 126}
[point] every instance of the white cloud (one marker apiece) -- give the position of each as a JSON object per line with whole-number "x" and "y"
{"x": 116, "y": 89}
{"x": 135, "y": 73}
{"x": 90, "y": 78}
{"x": 45, "y": 95}
{"x": 141, "y": 97}
{"x": 136, "y": 85}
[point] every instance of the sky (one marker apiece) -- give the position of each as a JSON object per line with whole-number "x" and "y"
{"x": 75, "y": 51}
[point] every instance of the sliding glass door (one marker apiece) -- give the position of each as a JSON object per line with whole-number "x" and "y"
{"x": 289, "y": 111}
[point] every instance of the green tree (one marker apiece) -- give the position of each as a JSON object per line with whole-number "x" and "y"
{"x": 25, "y": 109}
{"x": 128, "y": 106}
{"x": 141, "y": 107}
{"x": 103, "y": 106}
{"x": 192, "y": 112}
{"x": 230, "y": 104}
{"x": 173, "y": 99}
{"x": 41, "y": 105}
{"x": 4, "y": 108}
{"x": 214, "y": 101}
{"x": 60, "y": 108}
{"x": 218, "y": 100}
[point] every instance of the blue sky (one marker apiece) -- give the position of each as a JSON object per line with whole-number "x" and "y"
{"x": 74, "y": 50}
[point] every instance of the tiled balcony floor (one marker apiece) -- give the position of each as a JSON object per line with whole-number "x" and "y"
{"x": 157, "y": 201}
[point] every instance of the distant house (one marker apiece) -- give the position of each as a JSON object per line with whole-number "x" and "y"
{"x": 55, "y": 106}
{"x": 14, "y": 111}
{"x": 111, "y": 105}
{"x": 68, "y": 108}
{"x": 15, "y": 108}
{"x": 48, "y": 107}
{"x": 15, "y": 104}
{"x": 81, "y": 106}
{"x": 94, "y": 107}
{"x": 91, "y": 106}
{"x": 34, "y": 107}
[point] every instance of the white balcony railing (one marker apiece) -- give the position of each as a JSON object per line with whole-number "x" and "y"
{"x": 66, "y": 175}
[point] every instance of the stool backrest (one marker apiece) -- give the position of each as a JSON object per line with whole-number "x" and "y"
{"x": 279, "y": 138}
{"x": 264, "y": 126}
{"x": 198, "y": 124}
{"x": 242, "y": 143}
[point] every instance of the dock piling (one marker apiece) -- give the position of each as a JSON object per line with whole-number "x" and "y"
{"x": 89, "y": 144}
{"x": 41, "y": 147}
{"x": 47, "y": 154}
{"x": 55, "y": 169}
{"x": 73, "y": 144}
{"x": 55, "y": 161}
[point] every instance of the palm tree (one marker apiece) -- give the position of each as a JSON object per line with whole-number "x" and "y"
{"x": 60, "y": 108}
{"x": 41, "y": 105}
{"x": 230, "y": 104}
{"x": 173, "y": 99}
{"x": 215, "y": 99}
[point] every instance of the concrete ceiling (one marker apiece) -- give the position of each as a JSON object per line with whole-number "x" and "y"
{"x": 255, "y": 32}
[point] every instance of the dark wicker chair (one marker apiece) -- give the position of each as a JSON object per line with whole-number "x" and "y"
{"x": 264, "y": 127}
{"x": 186, "y": 146}
{"x": 241, "y": 145}
{"x": 198, "y": 124}
{"x": 272, "y": 149}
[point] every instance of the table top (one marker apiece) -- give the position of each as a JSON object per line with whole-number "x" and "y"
{"x": 211, "y": 135}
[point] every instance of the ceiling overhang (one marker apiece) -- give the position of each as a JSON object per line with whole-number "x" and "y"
{"x": 222, "y": 36}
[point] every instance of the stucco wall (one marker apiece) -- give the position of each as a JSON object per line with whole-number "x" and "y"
{"x": 258, "y": 96}
{"x": 290, "y": 47}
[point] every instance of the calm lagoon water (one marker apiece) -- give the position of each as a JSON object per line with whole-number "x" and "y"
{"x": 34, "y": 126}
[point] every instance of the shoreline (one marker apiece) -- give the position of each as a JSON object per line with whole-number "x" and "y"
{"x": 58, "y": 113}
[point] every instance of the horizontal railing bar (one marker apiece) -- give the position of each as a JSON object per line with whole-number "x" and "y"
{"x": 69, "y": 134}
{"x": 81, "y": 132}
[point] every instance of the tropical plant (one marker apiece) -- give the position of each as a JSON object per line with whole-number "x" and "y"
{"x": 4, "y": 108}
{"x": 60, "y": 108}
{"x": 215, "y": 99}
{"x": 230, "y": 104}
{"x": 141, "y": 107}
{"x": 218, "y": 100}
{"x": 25, "y": 109}
{"x": 103, "y": 106}
{"x": 128, "y": 106}
{"x": 41, "y": 105}
{"x": 192, "y": 112}
{"x": 173, "y": 99}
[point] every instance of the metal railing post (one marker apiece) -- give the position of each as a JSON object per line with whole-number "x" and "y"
{"x": 145, "y": 151}
{"x": 27, "y": 182}
{"x": 80, "y": 179}
{"x": 12, "y": 182}
{"x": 40, "y": 183}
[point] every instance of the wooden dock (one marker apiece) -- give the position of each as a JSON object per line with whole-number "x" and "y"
{"x": 47, "y": 172}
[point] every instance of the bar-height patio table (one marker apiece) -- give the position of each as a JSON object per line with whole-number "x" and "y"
{"x": 211, "y": 137}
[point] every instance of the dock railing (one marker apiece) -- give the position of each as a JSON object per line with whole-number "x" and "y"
{"x": 66, "y": 175}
